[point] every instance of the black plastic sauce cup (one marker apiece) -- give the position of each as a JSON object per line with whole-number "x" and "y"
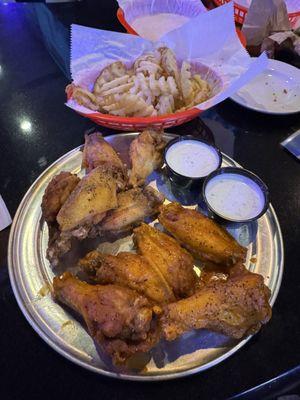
{"x": 182, "y": 180}
{"x": 241, "y": 172}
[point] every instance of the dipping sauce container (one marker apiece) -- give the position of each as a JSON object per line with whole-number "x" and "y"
{"x": 190, "y": 160}
{"x": 235, "y": 194}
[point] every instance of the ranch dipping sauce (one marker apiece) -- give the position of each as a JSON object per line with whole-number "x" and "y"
{"x": 234, "y": 197}
{"x": 192, "y": 158}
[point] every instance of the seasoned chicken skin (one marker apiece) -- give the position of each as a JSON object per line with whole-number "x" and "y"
{"x": 98, "y": 152}
{"x": 121, "y": 321}
{"x": 88, "y": 203}
{"x": 58, "y": 245}
{"x": 56, "y": 193}
{"x": 134, "y": 206}
{"x": 128, "y": 269}
{"x": 236, "y": 307}
{"x": 164, "y": 254}
{"x": 200, "y": 235}
{"x": 145, "y": 155}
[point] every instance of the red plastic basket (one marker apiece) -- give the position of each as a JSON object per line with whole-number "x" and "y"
{"x": 135, "y": 123}
{"x": 240, "y": 12}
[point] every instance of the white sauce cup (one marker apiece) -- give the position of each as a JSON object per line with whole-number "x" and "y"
{"x": 235, "y": 194}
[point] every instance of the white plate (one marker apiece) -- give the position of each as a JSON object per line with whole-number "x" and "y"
{"x": 275, "y": 91}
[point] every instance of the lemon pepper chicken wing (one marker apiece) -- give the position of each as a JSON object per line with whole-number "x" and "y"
{"x": 120, "y": 320}
{"x": 134, "y": 206}
{"x": 90, "y": 200}
{"x": 56, "y": 193}
{"x": 236, "y": 307}
{"x": 84, "y": 208}
{"x": 128, "y": 269}
{"x": 165, "y": 255}
{"x": 98, "y": 152}
{"x": 145, "y": 155}
{"x": 200, "y": 235}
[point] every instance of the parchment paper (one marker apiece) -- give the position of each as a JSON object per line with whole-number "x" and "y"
{"x": 5, "y": 218}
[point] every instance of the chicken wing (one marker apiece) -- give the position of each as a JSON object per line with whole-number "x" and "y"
{"x": 120, "y": 320}
{"x": 134, "y": 206}
{"x": 236, "y": 307}
{"x": 203, "y": 237}
{"x": 56, "y": 193}
{"x": 58, "y": 244}
{"x": 97, "y": 152}
{"x": 129, "y": 270}
{"x": 145, "y": 155}
{"x": 88, "y": 203}
{"x": 164, "y": 254}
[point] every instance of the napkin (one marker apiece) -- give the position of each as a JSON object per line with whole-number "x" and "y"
{"x": 292, "y": 144}
{"x": 263, "y": 18}
{"x": 279, "y": 41}
{"x": 5, "y": 218}
{"x": 209, "y": 40}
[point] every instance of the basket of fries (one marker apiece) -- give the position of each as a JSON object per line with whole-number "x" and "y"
{"x": 125, "y": 82}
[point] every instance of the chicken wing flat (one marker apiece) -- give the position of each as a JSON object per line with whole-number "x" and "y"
{"x": 134, "y": 206}
{"x": 95, "y": 194}
{"x": 97, "y": 152}
{"x": 164, "y": 254}
{"x": 203, "y": 237}
{"x": 56, "y": 193}
{"x": 129, "y": 270}
{"x": 236, "y": 307}
{"x": 145, "y": 155}
{"x": 120, "y": 320}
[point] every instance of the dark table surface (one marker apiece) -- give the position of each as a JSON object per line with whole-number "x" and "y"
{"x": 36, "y": 128}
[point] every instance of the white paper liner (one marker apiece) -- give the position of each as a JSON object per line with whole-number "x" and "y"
{"x": 5, "y": 218}
{"x": 208, "y": 40}
{"x": 137, "y": 8}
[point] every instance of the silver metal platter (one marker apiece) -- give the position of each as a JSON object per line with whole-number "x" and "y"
{"x": 31, "y": 277}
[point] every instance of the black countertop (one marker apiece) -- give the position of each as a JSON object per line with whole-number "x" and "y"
{"x": 36, "y": 128}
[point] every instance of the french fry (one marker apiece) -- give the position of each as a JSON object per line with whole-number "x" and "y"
{"x": 165, "y": 104}
{"x": 148, "y": 64}
{"x": 169, "y": 63}
{"x": 109, "y": 73}
{"x": 130, "y": 105}
{"x": 185, "y": 82}
{"x": 114, "y": 83}
{"x": 118, "y": 89}
{"x": 84, "y": 97}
